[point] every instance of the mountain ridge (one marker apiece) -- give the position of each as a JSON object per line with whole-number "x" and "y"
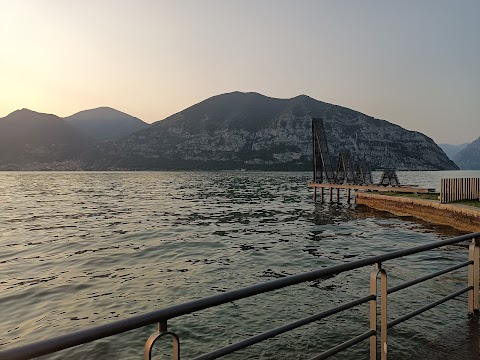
{"x": 469, "y": 157}
{"x": 452, "y": 150}
{"x": 27, "y": 136}
{"x": 252, "y": 131}
{"x": 240, "y": 130}
{"x": 106, "y": 123}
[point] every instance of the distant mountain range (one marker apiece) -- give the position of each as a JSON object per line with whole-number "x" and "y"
{"x": 469, "y": 157}
{"x": 35, "y": 141}
{"x": 30, "y": 137}
{"x": 251, "y": 131}
{"x": 229, "y": 131}
{"x": 105, "y": 123}
{"x": 452, "y": 150}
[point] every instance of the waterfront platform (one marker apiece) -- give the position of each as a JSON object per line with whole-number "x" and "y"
{"x": 404, "y": 189}
{"x": 462, "y": 217}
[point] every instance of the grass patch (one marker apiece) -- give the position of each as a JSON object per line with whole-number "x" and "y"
{"x": 474, "y": 203}
{"x": 424, "y": 196}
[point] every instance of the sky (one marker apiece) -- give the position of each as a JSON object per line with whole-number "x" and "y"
{"x": 415, "y": 63}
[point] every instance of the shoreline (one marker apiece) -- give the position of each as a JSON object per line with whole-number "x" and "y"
{"x": 461, "y": 217}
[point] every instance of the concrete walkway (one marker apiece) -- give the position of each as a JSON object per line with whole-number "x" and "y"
{"x": 461, "y": 217}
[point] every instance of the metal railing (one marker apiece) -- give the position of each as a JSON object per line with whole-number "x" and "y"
{"x": 163, "y": 315}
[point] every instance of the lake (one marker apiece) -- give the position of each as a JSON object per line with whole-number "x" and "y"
{"x": 85, "y": 248}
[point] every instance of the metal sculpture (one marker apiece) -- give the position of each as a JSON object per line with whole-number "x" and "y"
{"x": 347, "y": 172}
{"x": 389, "y": 178}
{"x": 362, "y": 175}
{"x": 322, "y": 166}
{"x": 344, "y": 174}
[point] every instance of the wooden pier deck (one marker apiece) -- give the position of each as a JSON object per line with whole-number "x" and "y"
{"x": 405, "y": 189}
{"x": 465, "y": 218}
{"x": 364, "y": 188}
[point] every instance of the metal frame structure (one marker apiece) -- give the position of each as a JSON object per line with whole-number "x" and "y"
{"x": 389, "y": 178}
{"x": 362, "y": 174}
{"x": 344, "y": 173}
{"x": 322, "y": 165}
{"x": 163, "y": 315}
{"x": 347, "y": 171}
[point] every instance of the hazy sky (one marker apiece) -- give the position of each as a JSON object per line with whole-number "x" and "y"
{"x": 415, "y": 63}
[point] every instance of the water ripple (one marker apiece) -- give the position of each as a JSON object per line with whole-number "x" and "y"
{"x": 81, "y": 249}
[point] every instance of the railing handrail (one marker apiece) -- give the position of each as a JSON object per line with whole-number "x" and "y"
{"x": 51, "y": 345}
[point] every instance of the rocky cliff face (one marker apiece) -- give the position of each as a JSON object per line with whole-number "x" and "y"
{"x": 469, "y": 158}
{"x": 252, "y": 131}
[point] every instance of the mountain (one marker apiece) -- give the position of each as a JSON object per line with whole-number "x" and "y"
{"x": 469, "y": 158}
{"x": 452, "y": 150}
{"x": 29, "y": 138}
{"x": 251, "y": 131}
{"x": 105, "y": 123}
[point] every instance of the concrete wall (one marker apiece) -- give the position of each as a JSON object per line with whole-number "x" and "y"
{"x": 460, "y": 217}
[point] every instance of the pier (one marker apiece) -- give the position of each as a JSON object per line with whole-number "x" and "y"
{"x": 461, "y": 217}
{"x": 458, "y": 216}
{"x": 355, "y": 175}
{"x": 350, "y": 173}
{"x": 349, "y": 187}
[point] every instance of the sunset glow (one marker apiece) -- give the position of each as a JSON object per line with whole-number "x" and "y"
{"x": 412, "y": 63}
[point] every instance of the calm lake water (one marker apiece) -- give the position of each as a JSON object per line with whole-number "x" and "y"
{"x": 83, "y": 249}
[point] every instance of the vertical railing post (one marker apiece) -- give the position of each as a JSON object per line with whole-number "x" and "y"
{"x": 373, "y": 314}
{"x": 476, "y": 269}
{"x": 473, "y": 276}
{"x": 161, "y": 331}
{"x": 383, "y": 312}
{"x": 442, "y": 191}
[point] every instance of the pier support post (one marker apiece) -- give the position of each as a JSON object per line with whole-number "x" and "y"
{"x": 314, "y": 194}
{"x": 338, "y": 195}
{"x": 348, "y": 195}
{"x": 331, "y": 194}
{"x": 321, "y": 193}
